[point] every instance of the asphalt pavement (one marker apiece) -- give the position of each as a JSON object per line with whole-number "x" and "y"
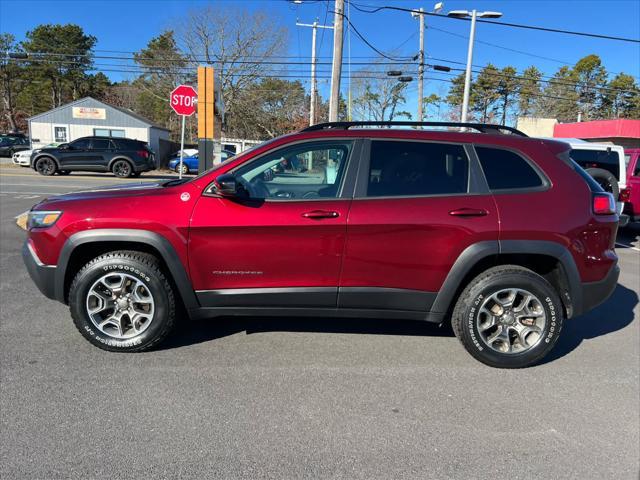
{"x": 306, "y": 398}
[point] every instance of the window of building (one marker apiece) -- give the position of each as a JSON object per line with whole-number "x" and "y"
{"x": 505, "y": 169}
{"x": 60, "y": 134}
{"x": 108, "y": 132}
{"x": 400, "y": 168}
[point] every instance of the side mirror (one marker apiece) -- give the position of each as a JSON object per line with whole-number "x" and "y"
{"x": 64, "y": 146}
{"x": 228, "y": 186}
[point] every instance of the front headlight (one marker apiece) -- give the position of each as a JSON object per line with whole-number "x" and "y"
{"x": 42, "y": 218}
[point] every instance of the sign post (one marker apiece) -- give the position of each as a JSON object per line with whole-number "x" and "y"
{"x": 183, "y": 100}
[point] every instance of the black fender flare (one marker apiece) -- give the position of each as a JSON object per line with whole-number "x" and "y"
{"x": 121, "y": 157}
{"x": 471, "y": 255}
{"x": 155, "y": 240}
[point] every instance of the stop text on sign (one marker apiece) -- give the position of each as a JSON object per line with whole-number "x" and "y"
{"x": 180, "y": 100}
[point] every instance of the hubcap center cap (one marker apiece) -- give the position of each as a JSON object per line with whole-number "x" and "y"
{"x": 122, "y": 303}
{"x": 508, "y": 318}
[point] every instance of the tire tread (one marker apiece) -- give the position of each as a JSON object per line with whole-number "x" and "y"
{"x": 465, "y": 299}
{"x": 151, "y": 262}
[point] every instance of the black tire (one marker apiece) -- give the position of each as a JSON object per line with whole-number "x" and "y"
{"x": 145, "y": 268}
{"x": 606, "y": 180}
{"x": 466, "y": 314}
{"x": 64, "y": 172}
{"x": 122, "y": 169}
{"x": 46, "y": 166}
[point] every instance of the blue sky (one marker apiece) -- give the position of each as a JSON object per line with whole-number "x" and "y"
{"x": 129, "y": 25}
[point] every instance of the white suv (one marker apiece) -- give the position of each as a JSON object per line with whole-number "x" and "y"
{"x": 605, "y": 163}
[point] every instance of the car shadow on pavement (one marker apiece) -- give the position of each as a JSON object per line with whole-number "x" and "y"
{"x": 613, "y": 315}
{"x": 193, "y": 332}
{"x": 596, "y": 323}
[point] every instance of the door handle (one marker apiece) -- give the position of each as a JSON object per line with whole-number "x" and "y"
{"x": 319, "y": 214}
{"x": 469, "y": 212}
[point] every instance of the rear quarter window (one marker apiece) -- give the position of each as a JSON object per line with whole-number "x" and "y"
{"x": 506, "y": 170}
{"x": 604, "y": 159}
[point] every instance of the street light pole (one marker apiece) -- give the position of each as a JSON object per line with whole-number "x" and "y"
{"x": 314, "y": 84}
{"x": 467, "y": 73}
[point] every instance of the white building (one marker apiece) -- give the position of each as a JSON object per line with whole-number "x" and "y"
{"x": 90, "y": 117}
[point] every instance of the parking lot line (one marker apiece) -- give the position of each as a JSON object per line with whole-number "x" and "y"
{"x": 2, "y": 192}
{"x": 628, "y": 246}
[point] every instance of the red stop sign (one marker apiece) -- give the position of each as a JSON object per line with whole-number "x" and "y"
{"x": 183, "y": 100}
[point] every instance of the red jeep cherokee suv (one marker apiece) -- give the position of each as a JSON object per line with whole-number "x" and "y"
{"x": 502, "y": 234}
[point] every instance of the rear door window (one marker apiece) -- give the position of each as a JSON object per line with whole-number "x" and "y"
{"x": 506, "y": 170}
{"x": 401, "y": 168}
{"x": 605, "y": 159}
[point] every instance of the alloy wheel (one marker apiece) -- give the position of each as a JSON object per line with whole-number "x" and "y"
{"x": 45, "y": 166}
{"x": 120, "y": 305}
{"x": 511, "y": 321}
{"x": 122, "y": 168}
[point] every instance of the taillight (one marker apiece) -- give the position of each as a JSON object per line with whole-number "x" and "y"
{"x": 143, "y": 153}
{"x": 603, "y": 204}
{"x": 625, "y": 195}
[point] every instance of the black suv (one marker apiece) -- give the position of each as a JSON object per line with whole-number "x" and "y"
{"x": 12, "y": 143}
{"x": 122, "y": 156}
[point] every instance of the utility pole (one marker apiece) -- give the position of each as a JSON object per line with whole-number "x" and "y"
{"x": 421, "y": 66}
{"x": 314, "y": 84}
{"x": 336, "y": 69}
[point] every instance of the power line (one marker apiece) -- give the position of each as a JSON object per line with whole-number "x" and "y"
{"x": 494, "y": 22}
{"x": 155, "y": 69}
{"x": 562, "y": 62}
{"x": 382, "y": 54}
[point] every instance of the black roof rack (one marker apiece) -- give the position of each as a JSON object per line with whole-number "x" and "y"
{"x": 480, "y": 127}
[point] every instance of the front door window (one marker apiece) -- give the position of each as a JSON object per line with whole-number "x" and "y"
{"x": 299, "y": 172}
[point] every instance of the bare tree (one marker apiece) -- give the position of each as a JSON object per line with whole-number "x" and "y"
{"x": 377, "y": 96}
{"x": 236, "y": 42}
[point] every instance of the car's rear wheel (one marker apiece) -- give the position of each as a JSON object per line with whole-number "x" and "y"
{"x": 122, "y": 169}
{"x": 184, "y": 169}
{"x": 122, "y": 301}
{"x": 46, "y": 166}
{"x": 508, "y": 317}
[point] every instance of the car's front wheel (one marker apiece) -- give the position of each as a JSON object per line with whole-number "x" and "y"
{"x": 508, "y": 317}
{"x": 121, "y": 301}
{"x": 122, "y": 169}
{"x": 46, "y": 166}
